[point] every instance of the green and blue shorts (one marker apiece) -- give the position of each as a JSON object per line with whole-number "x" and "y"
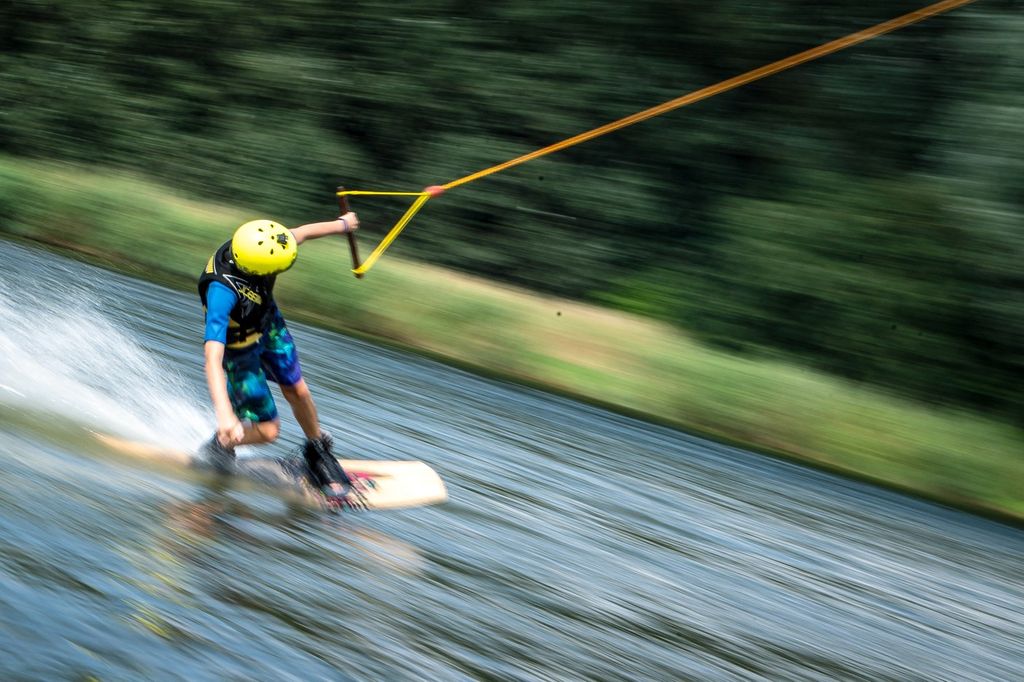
{"x": 272, "y": 358}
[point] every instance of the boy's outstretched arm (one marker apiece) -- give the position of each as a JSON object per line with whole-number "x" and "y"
{"x": 346, "y": 223}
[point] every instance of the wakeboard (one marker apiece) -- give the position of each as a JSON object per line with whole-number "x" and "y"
{"x": 376, "y": 484}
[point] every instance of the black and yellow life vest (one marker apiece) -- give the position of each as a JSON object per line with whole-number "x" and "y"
{"x": 255, "y": 307}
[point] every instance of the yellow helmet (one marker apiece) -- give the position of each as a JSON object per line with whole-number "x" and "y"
{"x": 263, "y": 247}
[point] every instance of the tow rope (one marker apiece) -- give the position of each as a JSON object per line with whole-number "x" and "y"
{"x": 359, "y": 269}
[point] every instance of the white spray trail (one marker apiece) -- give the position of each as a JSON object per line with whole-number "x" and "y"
{"x": 60, "y": 354}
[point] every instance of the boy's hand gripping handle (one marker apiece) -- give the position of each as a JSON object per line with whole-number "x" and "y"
{"x": 352, "y": 246}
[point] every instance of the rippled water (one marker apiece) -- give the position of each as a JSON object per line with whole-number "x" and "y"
{"x": 577, "y": 544}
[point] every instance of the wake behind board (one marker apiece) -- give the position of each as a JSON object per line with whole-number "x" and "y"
{"x": 382, "y": 484}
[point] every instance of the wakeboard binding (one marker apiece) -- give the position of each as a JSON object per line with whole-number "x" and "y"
{"x": 327, "y": 476}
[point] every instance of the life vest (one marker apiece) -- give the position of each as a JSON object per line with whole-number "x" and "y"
{"x": 255, "y": 307}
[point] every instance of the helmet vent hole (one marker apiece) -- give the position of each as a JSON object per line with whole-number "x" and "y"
{"x": 259, "y": 243}
{"x": 271, "y": 252}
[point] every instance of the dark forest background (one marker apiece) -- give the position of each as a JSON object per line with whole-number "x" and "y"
{"x": 861, "y": 213}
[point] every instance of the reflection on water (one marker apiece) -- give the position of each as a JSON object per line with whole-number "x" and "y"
{"x": 577, "y": 544}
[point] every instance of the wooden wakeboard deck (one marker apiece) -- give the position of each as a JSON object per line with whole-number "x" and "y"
{"x": 384, "y": 484}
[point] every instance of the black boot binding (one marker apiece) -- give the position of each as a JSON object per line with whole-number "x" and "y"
{"x": 323, "y": 468}
{"x": 220, "y": 458}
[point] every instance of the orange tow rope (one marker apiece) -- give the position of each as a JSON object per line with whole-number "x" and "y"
{"x": 696, "y": 96}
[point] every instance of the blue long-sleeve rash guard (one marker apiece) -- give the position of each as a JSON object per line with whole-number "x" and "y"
{"x": 220, "y": 300}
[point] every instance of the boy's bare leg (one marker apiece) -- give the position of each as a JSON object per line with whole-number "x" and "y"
{"x": 301, "y": 401}
{"x": 303, "y": 407}
{"x": 262, "y": 432}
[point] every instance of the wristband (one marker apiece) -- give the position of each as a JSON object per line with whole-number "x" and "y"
{"x": 345, "y": 223}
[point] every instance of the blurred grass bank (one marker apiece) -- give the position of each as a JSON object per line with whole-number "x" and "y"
{"x": 625, "y": 362}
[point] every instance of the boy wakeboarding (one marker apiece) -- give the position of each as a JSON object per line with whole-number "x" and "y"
{"x": 246, "y": 343}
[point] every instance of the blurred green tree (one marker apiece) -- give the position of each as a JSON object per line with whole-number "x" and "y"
{"x": 861, "y": 213}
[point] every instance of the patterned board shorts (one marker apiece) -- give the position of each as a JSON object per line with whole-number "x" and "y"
{"x": 272, "y": 358}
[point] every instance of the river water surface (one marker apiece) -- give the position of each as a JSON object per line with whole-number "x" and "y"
{"x": 577, "y": 544}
